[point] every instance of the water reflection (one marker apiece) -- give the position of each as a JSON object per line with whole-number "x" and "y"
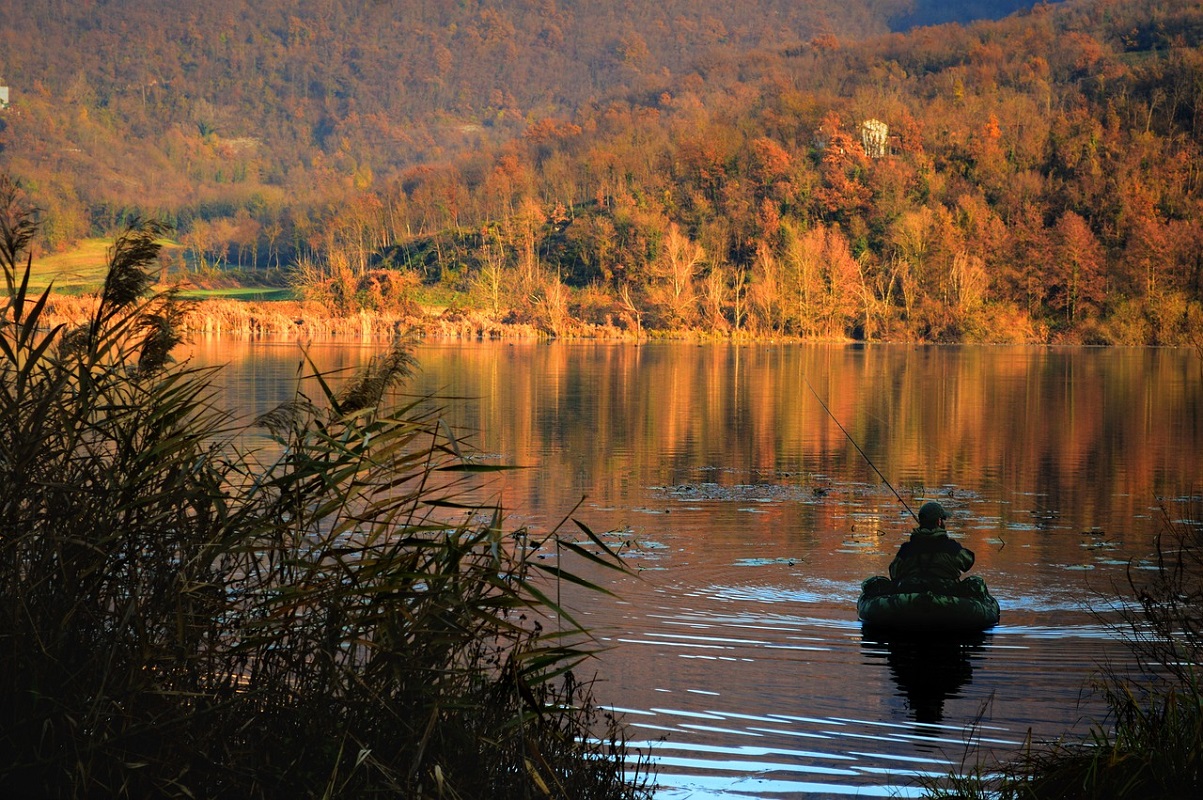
{"x": 735, "y": 649}
{"x": 928, "y": 670}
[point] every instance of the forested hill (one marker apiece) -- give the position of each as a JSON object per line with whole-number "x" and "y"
{"x": 385, "y": 82}
{"x": 1030, "y": 179}
{"x": 130, "y": 102}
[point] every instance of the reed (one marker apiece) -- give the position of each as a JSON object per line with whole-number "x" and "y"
{"x": 182, "y": 615}
{"x": 312, "y": 320}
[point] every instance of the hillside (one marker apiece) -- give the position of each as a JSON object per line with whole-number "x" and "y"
{"x": 1035, "y": 178}
{"x": 192, "y": 108}
{"x": 173, "y": 100}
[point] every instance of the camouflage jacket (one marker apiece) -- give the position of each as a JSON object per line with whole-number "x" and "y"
{"x": 930, "y": 560}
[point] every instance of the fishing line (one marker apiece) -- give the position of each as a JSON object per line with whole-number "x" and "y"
{"x": 868, "y": 460}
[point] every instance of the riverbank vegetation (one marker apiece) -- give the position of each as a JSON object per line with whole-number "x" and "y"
{"x": 1032, "y": 179}
{"x": 1151, "y": 745}
{"x": 310, "y": 604}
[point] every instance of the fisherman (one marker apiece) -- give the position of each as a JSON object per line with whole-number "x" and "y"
{"x": 925, "y": 593}
{"x": 931, "y": 561}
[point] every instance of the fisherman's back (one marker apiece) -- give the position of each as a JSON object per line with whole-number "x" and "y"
{"x": 930, "y": 560}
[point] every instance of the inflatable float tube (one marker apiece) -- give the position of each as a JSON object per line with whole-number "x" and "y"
{"x": 882, "y": 608}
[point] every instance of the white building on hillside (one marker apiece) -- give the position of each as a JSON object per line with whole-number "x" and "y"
{"x": 875, "y": 136}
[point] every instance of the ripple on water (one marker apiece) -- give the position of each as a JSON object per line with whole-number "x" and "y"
{"x": 759, "y": 691}
{"x": 861, "y": 757}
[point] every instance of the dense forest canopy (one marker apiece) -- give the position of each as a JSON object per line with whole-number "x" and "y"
{"x": 169, "y": 102}
{"x": 384, "y": 82}
{"x": 784, "y": 168}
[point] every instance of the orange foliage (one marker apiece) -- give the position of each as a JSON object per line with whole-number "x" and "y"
{"x": 1043, "y": 165}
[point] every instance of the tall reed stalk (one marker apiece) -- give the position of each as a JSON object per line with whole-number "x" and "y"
{"x": 328, "y": 617}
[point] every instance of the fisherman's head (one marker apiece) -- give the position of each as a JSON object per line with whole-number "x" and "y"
{"x": 932, "y": 515}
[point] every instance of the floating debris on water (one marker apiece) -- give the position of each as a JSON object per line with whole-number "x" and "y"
{"x": 743, "y": 492}
{"x": 763, "y": 562}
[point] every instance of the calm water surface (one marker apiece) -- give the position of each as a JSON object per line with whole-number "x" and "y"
{"x": 750, "y": 520}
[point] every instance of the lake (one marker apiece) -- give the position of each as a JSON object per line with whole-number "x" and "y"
{"x": 749, "y": 520}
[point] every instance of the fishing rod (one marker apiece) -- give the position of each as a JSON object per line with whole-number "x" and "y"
{"x": 868, "y": 460}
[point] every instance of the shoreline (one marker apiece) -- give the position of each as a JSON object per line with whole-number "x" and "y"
{"x": 309, "y": 320}
{"x": 302, "y": 320}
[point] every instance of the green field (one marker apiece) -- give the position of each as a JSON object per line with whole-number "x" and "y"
{"x": 247, "y": 293}
{"x": 81, "y": 271}
{"x": 77, "y": 271}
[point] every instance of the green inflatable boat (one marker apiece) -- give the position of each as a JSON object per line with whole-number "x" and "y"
{"x": 970, "y": 609}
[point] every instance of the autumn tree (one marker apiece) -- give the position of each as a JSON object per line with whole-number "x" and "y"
{"x": 490, "y": 284}
{"x": 771, "y": 169}
{"x": 1075, "y": 275}
{"x": 672, "y": 289}
{"x": 767, "y": 289}
{"x": 911, "y": 239}
{"x": 1021, "y": 279}
{"x": 1147, "y": 253}
{"x": 822, "y": 291}
{"x": 804, "y": 286}
{"x": 969, "y": 282}
{"x": 845, "y": 294}
{"x": 716, "y": 293}
{"x": 843, "y": 193}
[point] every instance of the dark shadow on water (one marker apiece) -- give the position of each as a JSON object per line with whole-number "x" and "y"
{"x": 928, "y": 670}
